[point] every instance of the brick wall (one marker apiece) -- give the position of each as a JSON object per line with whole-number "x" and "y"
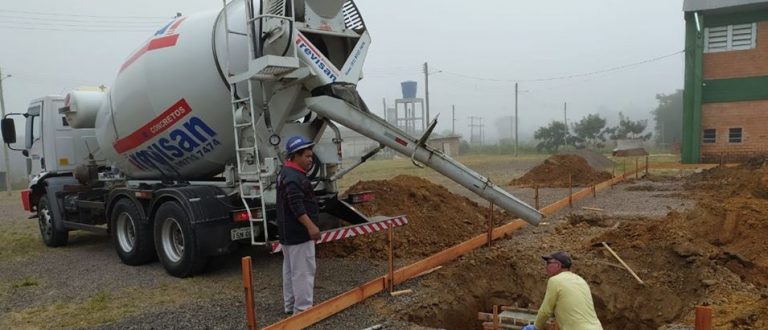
{"x": 750, "y": 116}
{"x": 740, "y": 63}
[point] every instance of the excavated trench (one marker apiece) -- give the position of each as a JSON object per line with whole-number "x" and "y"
{"x": 512, "y": 274}
{"x": 713, "y": 254}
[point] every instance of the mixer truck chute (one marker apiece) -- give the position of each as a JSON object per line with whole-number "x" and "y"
{"x": 179, "y": 158}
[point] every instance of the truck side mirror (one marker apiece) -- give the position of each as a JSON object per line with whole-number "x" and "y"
{"x": 9, "y": 130}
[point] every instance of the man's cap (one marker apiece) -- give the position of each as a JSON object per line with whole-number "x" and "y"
{"x": 297, "y": 143}
{"x": 563, "y": 257}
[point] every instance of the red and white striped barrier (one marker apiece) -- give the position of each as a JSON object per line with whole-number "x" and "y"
{"x": 352, "y": 231}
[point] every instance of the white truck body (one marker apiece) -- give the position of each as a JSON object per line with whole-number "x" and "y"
{"x": 189, "y": 140}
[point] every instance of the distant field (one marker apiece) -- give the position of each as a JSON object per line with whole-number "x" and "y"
{"x": 499, "y": 168}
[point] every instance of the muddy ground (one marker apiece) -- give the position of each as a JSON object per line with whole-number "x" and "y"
{"x": 687, "y": 255}
{"x": 713, "y": 254}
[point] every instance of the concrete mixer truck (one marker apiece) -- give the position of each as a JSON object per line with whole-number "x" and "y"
{"x": 178, "y": 160}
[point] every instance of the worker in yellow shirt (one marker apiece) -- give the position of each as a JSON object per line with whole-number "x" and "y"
{"x": 568, "y": 297}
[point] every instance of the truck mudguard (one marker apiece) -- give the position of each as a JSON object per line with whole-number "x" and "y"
{"x": 209, "y": 214}
{"x": 203, "y": 203}
{"x": 54, "y": 185}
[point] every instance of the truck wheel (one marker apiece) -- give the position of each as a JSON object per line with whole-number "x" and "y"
{"x": 175, "y": 242}
{"x": 51, "y": 236}
{"x": 132, "y": 237}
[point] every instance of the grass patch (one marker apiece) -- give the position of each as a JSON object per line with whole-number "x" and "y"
{"x": 100, "y": 308}
{"x": 106, "y": 307}
{"x": 27, "y": 282}
{"x": 20, "y": 241}
{"x": 7, "y": 287}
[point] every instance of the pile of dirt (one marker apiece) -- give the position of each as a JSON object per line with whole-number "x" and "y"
{"x": 714, "y": 254}
{"x": 437, "y": 219}
{"x": 555, "y": 170}
{"x": 595, "y": 159}
{"x": 746, "y": 180}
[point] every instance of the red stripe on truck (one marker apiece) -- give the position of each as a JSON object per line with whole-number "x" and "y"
{"x": 157, "y": 43}
{"x": 158, "y": 125}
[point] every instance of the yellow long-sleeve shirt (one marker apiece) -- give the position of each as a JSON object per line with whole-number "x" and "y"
{"x": 569, "y": 298}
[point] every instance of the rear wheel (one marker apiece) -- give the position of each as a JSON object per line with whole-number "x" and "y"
{"x": 175, "y": 242}
{"x": 51, "y": 236}
{"x": 132, "y": 237}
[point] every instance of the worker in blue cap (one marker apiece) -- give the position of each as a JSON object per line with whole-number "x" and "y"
{"x": 297, "y": 217}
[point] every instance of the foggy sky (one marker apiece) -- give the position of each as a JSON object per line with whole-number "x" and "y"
{"x": 475, "y": 49}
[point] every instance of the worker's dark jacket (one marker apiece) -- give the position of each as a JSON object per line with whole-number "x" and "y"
{"x": 294, "y": 198}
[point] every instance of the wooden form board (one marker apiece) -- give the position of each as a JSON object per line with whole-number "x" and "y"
{"x": 334, "y": 305}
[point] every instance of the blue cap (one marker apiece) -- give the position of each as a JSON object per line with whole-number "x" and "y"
{"x": 297, "y": 143}
{"x": 563, "y": 257}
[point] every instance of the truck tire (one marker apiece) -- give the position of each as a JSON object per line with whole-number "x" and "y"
{"x": 175, "y": 243}
{"x": 51, "y": 236}
{"x": 132, "y": 237}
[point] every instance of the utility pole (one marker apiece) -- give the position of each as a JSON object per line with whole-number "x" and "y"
{"x": 384, "y": 101}
{"x": 565, "y": 116}
{"x": 515, "y": 119}
{"x": 5, "y": 146}
{"x": 453, "y": 128}
{"x": 565, "y": 120}
{"x": 476, "y": 135}
{"x": 426, "y": 88}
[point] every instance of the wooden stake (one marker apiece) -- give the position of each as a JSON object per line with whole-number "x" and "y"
{"x": 490, "y": 226}
{"x": 637, "y": 168}
{"x": 570, "y": 190}
{"x": 536, "y": 196}
{"x": 401, "y": 292}
{"x": 624, "y": 168}
{"x": 518, "y": 309}
{"x": 496, "y": 320}
{"x": 613, "y": 174}
{"x": 390, "y": 261}
{"x": 250, "y": 313}
{"x": 646, "y": 165}
{"x": 623, "y": 263}
{"x": 703, "y": 318}
{"x": 594, "y": 191}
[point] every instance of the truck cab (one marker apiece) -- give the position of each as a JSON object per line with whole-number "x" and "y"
{"x": 50, "y": 144}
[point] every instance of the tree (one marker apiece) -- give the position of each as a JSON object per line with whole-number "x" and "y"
{"x": 464, "y": 147}
{"x": 629, "y": 129}
{"x": 669, "y": 118}
{"x": 551, "y": 137}
{"x": 590, "y": 129}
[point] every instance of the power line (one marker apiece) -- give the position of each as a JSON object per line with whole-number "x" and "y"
{"x": 155, "y": 27}
{"x": 578, "y": 75}
{"x": 90, "y": 16}
{"x": 75, "y": 30}
{"x": 24, "y": 19}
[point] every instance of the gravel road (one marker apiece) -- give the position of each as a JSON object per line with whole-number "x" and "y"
{"x": 84, "y": 285}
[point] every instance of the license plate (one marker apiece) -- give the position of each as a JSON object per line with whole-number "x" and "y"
{"x": 241, "y": 233}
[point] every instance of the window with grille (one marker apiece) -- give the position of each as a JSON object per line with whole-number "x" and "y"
{"x": 734, "y": 135}
{"x": 730, "y": 37}
{"x": 710, "y": 135}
